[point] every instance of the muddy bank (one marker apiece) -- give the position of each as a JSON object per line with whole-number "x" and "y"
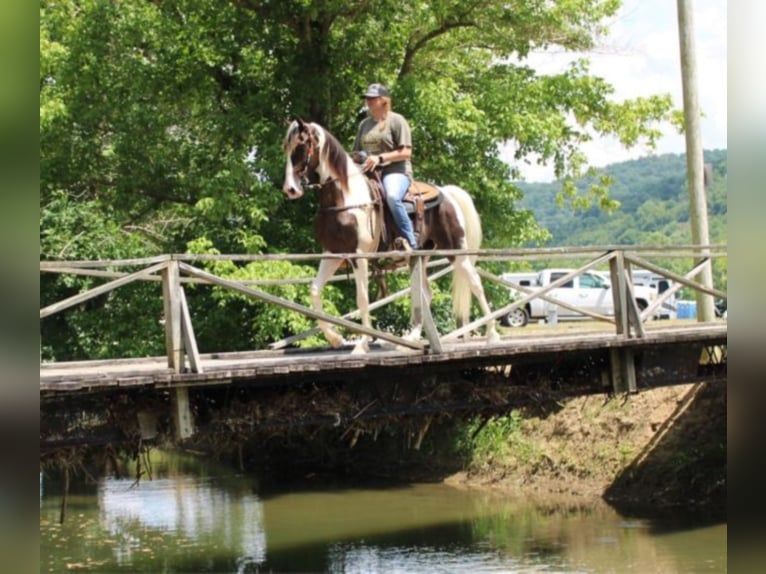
{"x": 659, "y": 448}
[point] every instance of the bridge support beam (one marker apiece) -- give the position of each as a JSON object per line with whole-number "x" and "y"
{"x": 178, "y": 337}
{"x": 182, "y": 417}
{"x": 623, "y": 364}
{"x": 171, "y": 291}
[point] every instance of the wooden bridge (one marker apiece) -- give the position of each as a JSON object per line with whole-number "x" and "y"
{"x": 189, "y": 392}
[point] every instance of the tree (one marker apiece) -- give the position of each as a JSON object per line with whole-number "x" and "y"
{"x": 167, "y": 117}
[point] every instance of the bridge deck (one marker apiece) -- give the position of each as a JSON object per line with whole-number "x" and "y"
{"x": 296, "y": 364}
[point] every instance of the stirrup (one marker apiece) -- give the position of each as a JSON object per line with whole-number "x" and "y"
{"x": 402, "y": 244}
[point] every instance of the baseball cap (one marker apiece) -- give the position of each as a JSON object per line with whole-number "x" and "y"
{"x": 375, "y": 90}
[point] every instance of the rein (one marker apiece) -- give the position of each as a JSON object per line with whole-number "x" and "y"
{"x": 315, "y": 186}
{"x": 338, "y": 208}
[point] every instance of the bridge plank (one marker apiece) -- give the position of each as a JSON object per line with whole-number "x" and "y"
{"x": 289, "y": 365}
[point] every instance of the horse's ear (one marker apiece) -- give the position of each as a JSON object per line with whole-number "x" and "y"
{"x": 297, "y": 120}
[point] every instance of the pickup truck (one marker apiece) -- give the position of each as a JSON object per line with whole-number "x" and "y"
{"x": 589, "y": 291}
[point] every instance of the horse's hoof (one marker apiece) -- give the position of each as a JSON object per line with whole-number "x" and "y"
{"x": 336, "y": 341}
{"x": 361, "y": 348}
{"x": 413, "y": 336}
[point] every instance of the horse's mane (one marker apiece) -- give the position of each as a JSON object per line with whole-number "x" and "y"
{"x": 336, "y": 158}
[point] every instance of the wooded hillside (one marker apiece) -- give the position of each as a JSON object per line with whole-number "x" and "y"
{"x": 653, "y": 204}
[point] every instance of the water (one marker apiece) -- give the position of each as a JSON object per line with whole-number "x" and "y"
{"x": 195, "y": 517}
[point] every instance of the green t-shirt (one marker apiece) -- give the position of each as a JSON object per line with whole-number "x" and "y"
{"x": 376, "y": 139}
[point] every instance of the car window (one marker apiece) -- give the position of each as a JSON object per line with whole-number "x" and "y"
{"x": 591, "y": 281}
{"x": 558, "y": 275}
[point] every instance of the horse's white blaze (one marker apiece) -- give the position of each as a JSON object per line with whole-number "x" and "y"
{"x": 292, "y": 185}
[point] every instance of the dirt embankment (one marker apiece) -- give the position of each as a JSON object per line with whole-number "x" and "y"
{"x": 660, "y": 447}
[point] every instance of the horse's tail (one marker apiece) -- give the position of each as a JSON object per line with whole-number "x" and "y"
{"x": 469, "y": 219}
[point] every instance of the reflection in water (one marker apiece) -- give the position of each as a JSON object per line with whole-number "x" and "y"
{"x": 197, "y": 519}
{"x": 186, "y": 507}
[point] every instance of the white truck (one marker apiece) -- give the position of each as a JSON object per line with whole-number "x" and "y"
{"x": 589, "y": 290}
{"x": 668, "y": 309}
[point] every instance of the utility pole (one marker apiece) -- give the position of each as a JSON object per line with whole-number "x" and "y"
{"x": 694, "y": 156}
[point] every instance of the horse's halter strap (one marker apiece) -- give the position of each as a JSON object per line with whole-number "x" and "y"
{"x": 309, "y": 168}
{"x": 310, "y": 164}
{"x": 311, "y": 156}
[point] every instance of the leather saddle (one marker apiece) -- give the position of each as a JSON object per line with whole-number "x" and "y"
{"x": 421, "y": 197}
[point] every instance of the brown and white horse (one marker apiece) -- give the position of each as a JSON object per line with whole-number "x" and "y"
{"x": 350, "y": 220}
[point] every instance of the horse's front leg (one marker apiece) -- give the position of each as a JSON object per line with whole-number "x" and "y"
{"x": 361, "y": 275}
{"x": 327, "y": 269}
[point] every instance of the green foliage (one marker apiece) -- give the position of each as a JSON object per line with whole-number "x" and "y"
{"x": 256, "y": 322}
{"x": 161, "y": 122}
{"x": 498, "y": 441}
{"x": 652, "y": 208}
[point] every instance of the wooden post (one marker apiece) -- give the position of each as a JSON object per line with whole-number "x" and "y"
{"x": 623, "y": 367}
{"x": 635, "y": 326}
{"x": 171, "y": 291}
{"x": 698, "y": 216}
{"x": 416, "y": 292}
{"x": 187, "y": 332}
{"x": 182, "y": 417}
{"x": 617, "y": 274}
{"x": 173, "y": 302}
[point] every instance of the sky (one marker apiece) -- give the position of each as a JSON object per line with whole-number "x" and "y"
{"x": 640, "y": 57}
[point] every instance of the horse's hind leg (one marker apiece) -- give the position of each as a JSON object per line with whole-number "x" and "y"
{"x": 418, "y": 300}
{"x": 327, "y": 269}
{"x": 464, "y": 266}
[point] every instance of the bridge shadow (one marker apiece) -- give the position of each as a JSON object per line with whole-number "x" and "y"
{"x": 685, "y": 463}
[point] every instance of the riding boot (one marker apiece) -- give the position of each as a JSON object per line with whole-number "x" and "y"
{"x": 402, "y": 244}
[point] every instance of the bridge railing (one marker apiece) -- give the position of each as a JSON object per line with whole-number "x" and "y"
{"x": 175, "y": 270}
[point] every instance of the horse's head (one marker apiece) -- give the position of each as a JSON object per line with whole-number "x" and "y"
{"x": 301, "y": 151}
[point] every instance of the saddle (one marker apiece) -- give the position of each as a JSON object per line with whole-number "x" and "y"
{"x": 420, "y": 197}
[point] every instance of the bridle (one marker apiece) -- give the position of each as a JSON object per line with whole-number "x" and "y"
{"x": 310, "y": 160}
{"x": 308, "y": 165}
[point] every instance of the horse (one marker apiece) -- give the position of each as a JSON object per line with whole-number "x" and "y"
{"x": 351, "y": 219}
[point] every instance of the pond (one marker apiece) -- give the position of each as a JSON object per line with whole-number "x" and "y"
{"x": 195, "y": 516}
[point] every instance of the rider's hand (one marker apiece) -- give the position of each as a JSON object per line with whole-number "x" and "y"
{"x": 371, "y": 163}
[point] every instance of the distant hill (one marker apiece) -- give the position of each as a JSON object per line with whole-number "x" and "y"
{"x": 654, "y": 205}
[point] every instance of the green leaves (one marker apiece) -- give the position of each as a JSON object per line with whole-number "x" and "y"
{"x": 161, "y": 123}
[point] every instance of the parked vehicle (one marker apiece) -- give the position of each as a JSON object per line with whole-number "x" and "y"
{"x": 668, "y": 309}
{"x": 589, "y": 291}
{"x": 721, "y": 308}
{"x": 518, "y": 317}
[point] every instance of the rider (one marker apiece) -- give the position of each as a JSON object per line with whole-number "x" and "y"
{"x": 384, "y": 140}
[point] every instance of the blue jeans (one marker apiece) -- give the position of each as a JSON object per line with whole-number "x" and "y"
{"x": 396, "y": 186}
